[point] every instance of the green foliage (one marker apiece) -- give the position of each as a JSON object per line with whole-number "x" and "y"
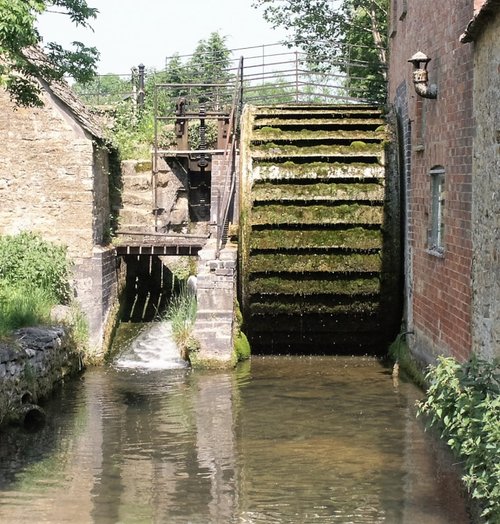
{"x": 348, "y": 35}
{"x": 22, "y": 306}
{"x": 464, "y": 402}
{"x": 182, "y": 314}
{"x": 18, "y": 32}
{"x": 29, "y": 261}
{"x": 104, "y": 89}
{"x": 133, "y": 129}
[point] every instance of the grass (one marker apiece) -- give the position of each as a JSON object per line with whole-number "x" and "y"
{"x": 23, "y": 305}
{"x": 182, "y": 314}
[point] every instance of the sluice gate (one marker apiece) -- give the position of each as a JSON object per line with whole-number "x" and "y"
{"x": 319, "y": 230}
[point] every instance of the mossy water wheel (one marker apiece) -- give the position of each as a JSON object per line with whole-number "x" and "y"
{"x": 319, "y": 230}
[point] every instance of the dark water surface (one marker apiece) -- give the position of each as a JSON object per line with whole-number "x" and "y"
{"x": 280, "y": 440}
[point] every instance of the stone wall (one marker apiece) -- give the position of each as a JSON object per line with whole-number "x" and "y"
{"x": 486, "y": 193}
{"x": 54, "y": 181}
{"x": 32, "y": 365}
{"x": 48, "y": 176}
{"x": 441, "y": 135}
{"x": 216, "y": 296}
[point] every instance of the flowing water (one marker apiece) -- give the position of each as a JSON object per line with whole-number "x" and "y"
{"x": 279, "y": 440}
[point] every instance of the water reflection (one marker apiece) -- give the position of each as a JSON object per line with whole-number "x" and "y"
{"x": 281, "y": 440}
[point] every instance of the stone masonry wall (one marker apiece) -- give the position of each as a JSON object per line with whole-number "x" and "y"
{"x": 441, "y": 135}
{"x": 486, "y": 193}
{"x": 37, "y": 360}
{"x": 47, "y": 178}
{"x": 216, "y": 295}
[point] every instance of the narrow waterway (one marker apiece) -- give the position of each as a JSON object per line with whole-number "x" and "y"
{"x": 279, "y": 440}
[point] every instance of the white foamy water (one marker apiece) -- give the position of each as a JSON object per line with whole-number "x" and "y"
{"x": 152, "y": 349}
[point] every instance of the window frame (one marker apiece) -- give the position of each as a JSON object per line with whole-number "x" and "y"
{"x": 435, "y": 240}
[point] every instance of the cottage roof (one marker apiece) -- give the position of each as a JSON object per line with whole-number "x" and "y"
{"x": 481, "y": 18}
{"x": 62, "y": 90}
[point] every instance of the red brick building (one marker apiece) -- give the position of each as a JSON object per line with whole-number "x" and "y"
{"x": 436, "y": 131}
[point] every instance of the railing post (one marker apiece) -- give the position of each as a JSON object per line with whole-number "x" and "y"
{"x": 296, "y": 76}
{"x": 140, "y": 94}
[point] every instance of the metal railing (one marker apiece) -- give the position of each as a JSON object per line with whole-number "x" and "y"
{"x": 273, "y": 73}
{"x": 229, "y": 160}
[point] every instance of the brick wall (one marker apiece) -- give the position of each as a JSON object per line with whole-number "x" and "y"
{"x": 441, "y": 135}
{"x": 486, "y": 192}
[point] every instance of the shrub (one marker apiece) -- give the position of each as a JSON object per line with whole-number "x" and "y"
{"x": 29, "y": 261}
{"x": 464, "y": 402}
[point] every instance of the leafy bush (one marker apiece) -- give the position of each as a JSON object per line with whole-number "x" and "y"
{"x": 28, "y": 261}
{"x": 464, "y": 402}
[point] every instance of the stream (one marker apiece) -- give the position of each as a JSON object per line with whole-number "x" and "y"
{"x": 278, "y": 440}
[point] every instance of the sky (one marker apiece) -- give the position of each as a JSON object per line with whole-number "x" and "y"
{"x": 130, "y": 32}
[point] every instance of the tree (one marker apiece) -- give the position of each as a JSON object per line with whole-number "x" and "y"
{"x": 347, "y": 35}
{"x": 18, "y": 32}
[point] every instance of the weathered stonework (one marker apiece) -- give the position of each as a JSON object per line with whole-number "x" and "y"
{"x": 216, "y": 295}
{"x": 32, "y": 365}
{"x": 54, "y": 181}
{"x": 486, "y": 193}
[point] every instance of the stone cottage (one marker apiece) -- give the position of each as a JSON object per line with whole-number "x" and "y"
{"x": 54, "y": 181}
{"x": 447, "y": 119}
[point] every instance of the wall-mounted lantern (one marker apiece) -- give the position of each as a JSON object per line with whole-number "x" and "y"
{"x": 421, "y": 76}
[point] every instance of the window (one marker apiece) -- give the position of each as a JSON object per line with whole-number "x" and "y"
{"x": 436, "y": 230}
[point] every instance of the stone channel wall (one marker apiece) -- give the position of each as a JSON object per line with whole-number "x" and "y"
{"x": 32, "y": 365}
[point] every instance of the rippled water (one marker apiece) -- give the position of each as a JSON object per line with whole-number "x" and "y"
{"x": 280, "y": 440}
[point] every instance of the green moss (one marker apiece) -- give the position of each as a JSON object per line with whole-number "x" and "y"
{"x": 293, "y": 286}
{"x": 400, "y": 353}
{"x": 344, "y": 214}
{"x": 273, "y": 150}
{"x": 345, "y": 122}
{"x": 267, "y": 133}
{"x": 241, "y": 347}
{"x": 303, "y": 308}
{"x": 264, "y": 263}
{"x": 352, "y": 238}
{"x": 319, "y": 170}
{"x": 355, "y": 191}
{"x": 143, "y": 166}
